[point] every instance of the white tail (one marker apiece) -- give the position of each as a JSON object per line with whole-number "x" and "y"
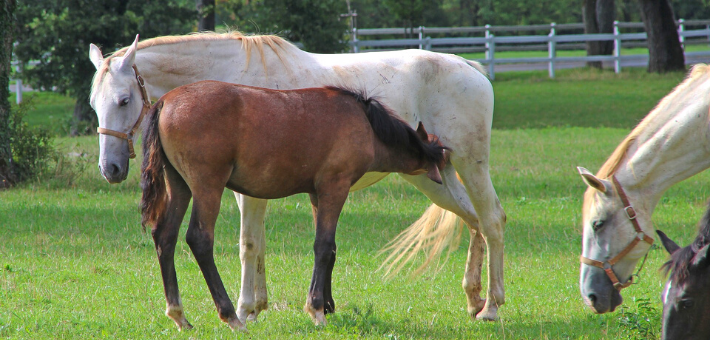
{"x": 432, "y": 233}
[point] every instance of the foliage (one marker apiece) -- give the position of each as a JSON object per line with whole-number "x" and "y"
{"x": 314, "y": 23}
{"x": 57, "y": 34}
{"x": 643, "y": 322}
{"x": 32, "y": 148}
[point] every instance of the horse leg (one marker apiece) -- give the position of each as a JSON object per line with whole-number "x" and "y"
{"x": 165, "y": 236}
{"x": 253, "y": 297}
{"x": 452, "y": 196}
{"x": 327, "y": 207}
{"x": 329, "y": 306}
{"x": 473, "y": 170}
{"x": 200, "y": 238}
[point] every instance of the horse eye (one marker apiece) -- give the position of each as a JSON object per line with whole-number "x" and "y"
{"x": 123, "y": 102}
{"x": 686, "y": 304}
{"x": 598, "y": 224}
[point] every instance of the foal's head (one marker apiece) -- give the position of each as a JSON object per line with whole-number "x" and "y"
{"x": 116, "y": 98}
{"x": 686, "y": 297}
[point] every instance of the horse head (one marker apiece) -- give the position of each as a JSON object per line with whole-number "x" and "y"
{"x": 117, "y": 99}
{"x": 686, "y": 300}
{"x": 612, "y": 231}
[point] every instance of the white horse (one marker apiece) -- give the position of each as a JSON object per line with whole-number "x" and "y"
{"x": 454, "y": 99}
{"x": 671, "y": 144}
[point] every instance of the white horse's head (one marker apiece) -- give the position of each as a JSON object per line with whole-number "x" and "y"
{"x": 116, "y": 98}
{"x": 610, "y": 239}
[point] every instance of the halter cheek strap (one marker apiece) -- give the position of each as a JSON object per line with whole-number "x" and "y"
{"x": 129, "y": 136}
{"x": 640, "y": 236}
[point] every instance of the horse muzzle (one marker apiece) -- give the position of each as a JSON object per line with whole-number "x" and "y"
{"x": 598, "y": 292}
{"x": 113, "y": 172}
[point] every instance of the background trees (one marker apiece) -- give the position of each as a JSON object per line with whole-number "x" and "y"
{"x": 57, "y": 33}
{"x": 7, "y": 176}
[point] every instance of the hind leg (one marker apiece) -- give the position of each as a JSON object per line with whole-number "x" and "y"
{"x": 452, "y": 196}
{"x": 165, "y": 236}
{"x": 200, "y": 238}
{"x": 475, "y": 176}
{"x": 253, "y": 296}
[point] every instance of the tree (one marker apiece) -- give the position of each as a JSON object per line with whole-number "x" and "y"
{"x": 7, "y": 172}
{"x": 664, "y": 50}
{"x": 314, "y": 23}
{"x": 205, "y": 12}
{"x": 598, "y": 16}
{"x": 57, "y": 33}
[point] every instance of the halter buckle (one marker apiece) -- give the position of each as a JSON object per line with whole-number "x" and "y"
{"x": 630, "y": 212}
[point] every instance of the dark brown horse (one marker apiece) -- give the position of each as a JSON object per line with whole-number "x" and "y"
{"x": 686, "y": 297}
{"x": 264, "y": 143}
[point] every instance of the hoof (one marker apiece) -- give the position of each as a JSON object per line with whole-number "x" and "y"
{"x": 185, "y": 327}
{"x": 488, "y": 314}
{"x": 476, "y": 308}
{"x": 177, "y": 314}
{"x": 318, "y": 316}
{"x": 235, "y": 324}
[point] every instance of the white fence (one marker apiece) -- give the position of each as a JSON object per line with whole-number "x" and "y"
{"x": 489, "y": 42}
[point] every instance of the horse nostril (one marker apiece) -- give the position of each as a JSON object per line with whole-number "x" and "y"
{"x": 113, "y": 170}
{"x": 592, "y": 298}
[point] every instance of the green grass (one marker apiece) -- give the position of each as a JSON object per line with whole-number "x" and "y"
{"x": 75, "y": 264}
{"x": 48, "y": 110}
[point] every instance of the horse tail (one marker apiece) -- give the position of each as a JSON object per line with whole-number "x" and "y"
{"x": 476, "y": 65}
{"x": 395, "y": 132}
{"x": 436, "y": 230}
{"x": 154, "y": 198}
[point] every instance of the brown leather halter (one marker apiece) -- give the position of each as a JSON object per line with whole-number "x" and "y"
{"x": 641, "y": 236}
{"x": 129, "y": 136}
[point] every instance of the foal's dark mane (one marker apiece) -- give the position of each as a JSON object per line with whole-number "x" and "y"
{"x": 679, "y": 264}
{"x": 395, "y": 132}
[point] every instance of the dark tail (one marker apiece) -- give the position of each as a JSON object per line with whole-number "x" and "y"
{"x": 396, "y": 133}
{"x": 154, "y": 197}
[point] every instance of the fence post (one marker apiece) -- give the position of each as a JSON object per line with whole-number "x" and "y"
{"x": 681, "y": 31}
{"x": 18, "y": 85}
{"x": 551, "y": 45}
{"x": 356, "y": 47}
{"x": 617, "y": 48}
{"x": 490, "y": 53}
{"x": 427, "y": 44}
{"x": 421, "y": 37}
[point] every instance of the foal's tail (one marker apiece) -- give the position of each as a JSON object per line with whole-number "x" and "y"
{"x": 154, "y": 197}
{"x": 395, "y": 132}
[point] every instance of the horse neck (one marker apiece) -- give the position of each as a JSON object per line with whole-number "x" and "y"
{"x": 165, "y": 67}
{"x": 391, "y": 159}
{"x": 672, "y": 146}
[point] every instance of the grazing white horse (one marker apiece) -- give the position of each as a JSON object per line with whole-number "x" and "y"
{"x": 671, "y": 144}
{"x": 454, "y": 99}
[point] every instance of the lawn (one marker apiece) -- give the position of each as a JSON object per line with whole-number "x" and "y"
{"x": 74, "y": 262}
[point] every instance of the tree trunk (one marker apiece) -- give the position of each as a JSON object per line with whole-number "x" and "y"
{"x": 205, "y": 10}
{"x": 7, "y": 171}
{"x": 598, "y": 16}
{"x": 664, "y": 50}
{"x": 85, "y": 121}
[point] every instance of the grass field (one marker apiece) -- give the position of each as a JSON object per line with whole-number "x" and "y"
{"x": 74, "y": 262}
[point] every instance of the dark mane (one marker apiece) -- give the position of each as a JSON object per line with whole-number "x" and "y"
{"x": 395, "y": 132}
{"x": 679, "y": 264}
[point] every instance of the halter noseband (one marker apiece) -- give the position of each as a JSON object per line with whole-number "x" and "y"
{"x": 129, "y": 136}
{"x": 641, "y": 236}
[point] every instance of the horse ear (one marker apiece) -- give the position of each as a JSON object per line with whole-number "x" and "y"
{"x": 701, "y": 258}
{"x": 670, "y": 246}
{"x": 95, "y": 55}
{"x": 434, "y": 174}
{"x": 421, "y": 131}
{"x": 593, "y": 181}
{"x": 130, "y": 57}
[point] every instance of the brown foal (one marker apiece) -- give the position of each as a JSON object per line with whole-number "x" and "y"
{"x": 203, "y": 137}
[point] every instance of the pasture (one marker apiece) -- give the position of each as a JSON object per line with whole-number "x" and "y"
{"x": 74, "y": 262}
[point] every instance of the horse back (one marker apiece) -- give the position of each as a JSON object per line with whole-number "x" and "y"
{"x": 264, "y": 143}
